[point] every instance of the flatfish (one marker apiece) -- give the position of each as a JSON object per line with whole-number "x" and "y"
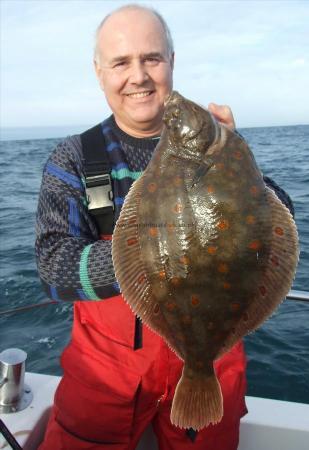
{"x": 203, "y": 251}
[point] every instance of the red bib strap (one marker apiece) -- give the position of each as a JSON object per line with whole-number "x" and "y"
{"x": 106, "y": 237}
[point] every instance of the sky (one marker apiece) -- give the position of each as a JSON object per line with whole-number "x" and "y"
{"x": 251, "y": 55}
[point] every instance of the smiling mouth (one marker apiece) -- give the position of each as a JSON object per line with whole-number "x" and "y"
{"x": 139, "y": 94}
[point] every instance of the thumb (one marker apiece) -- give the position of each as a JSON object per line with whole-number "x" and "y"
{"x": 212, "y": 107}
{"x": 223, "y": 114}
{"x": 219, "y": 111}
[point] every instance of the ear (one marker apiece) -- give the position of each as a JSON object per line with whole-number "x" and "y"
{"x": 99, "y": 73}
{"x": 172, "y": 60}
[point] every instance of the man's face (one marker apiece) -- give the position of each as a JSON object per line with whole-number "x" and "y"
{"x": 135, "y": 70}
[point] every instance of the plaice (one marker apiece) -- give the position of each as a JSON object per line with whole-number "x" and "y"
{"x": 203, "y": 250}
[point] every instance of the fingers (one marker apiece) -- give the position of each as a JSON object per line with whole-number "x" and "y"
{"x": 223, "y": 114}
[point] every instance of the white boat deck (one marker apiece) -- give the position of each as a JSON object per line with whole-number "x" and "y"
{"x": 269, "y": 425}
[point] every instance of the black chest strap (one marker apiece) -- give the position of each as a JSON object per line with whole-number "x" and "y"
{"x": 100, "y": 193}
{"x": 98, "y": 180}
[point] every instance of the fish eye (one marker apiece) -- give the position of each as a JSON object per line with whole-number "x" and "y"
{"x": 176, "y": 113}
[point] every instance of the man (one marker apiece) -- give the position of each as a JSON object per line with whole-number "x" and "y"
{"x": 118, "y": 375}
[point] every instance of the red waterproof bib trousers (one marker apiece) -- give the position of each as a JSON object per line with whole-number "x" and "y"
{"x": 110, "y": 392}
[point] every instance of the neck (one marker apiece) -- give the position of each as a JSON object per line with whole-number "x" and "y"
{"x": 148, "y": 132}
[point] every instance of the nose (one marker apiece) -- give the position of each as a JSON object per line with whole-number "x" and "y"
{"x": 138, "y": 73}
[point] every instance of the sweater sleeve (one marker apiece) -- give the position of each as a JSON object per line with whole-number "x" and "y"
{"x": 281, "y": 194}
{"x": 73, "y": 263}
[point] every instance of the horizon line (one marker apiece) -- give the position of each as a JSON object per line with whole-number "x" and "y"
{"x": 9, "y": 127}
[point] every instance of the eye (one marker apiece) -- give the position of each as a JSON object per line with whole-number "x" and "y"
{"x": 119, "y": 65}
{"x": 151, "y": 61}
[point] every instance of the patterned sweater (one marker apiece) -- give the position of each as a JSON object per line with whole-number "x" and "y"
{"x": 73, "y": 263}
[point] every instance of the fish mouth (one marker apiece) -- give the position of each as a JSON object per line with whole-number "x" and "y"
{"x": 173, "y": 97}
{"x": 171, "y": 109}
{"x": 174, "y": 118}
{"x": 168, "y": 99}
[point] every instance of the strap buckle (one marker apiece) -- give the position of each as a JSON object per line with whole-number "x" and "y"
{"x": 99, "y": 194}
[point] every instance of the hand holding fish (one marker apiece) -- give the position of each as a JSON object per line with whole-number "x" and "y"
{"x": 223, "y": 114}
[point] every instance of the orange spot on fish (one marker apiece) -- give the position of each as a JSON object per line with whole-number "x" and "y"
{"x": 274, "y": 260}
{"x": 178, "y": 208}
{"x": 227, "y": 286}
{"x": 153, "y": 231}
{"x": 255, "y": 245}
{"x": 171, "y": 306}
{"x": 250, "y": 220}
{"x": 132, "y": 241}
{"x": 141, "y": 278}
{"x": 195, "y": 301}
{"x": 279, "y": 231}
{"x": 152, "y": 187}
{"x": 238, "y": 155}
{"x": 235, "y": 306}
{"x": 219, "y": 166}
{"x": 156, "y": 309}
{"x": 223, "y": 225}
{"x": 254, "y": 190}
{"x": 176, "y": 281}
{"x": 212, "y": 250}
{"x": 223, "y": 268}
{"x": 263, "y": 290}
{"x": 184, "y": 260}
{"x": 177, "y": 181}
{"x": 162, "y": 274}
{"x": 210, "y": 189}
{"x": 186, "y": 319}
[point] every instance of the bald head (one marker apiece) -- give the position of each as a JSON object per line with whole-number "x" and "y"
{"x": 128, "y": 13}
{"x": 134, "y": 65}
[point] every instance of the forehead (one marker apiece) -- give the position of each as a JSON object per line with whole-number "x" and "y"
{"x": 131, "y": 33}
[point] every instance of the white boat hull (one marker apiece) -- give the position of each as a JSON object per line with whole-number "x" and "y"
{"x": 269, "y": 425}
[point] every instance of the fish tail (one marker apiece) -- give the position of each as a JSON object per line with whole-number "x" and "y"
{"x": 197, "y": 401}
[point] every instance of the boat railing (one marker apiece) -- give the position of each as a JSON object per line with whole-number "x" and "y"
{"x": 300, "y": 296}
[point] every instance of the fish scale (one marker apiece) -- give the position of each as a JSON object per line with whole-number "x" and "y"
{"x": 203, "y": 251}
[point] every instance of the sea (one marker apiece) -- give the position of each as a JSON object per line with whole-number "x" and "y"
{"x": 278, "y": 353}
